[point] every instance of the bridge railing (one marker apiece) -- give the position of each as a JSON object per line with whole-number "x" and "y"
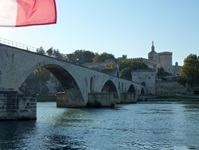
{"x": 16, "y": 44}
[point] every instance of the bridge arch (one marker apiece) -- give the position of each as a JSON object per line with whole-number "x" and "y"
{"x": 69, "y": 84}
{"x": 68, "y": 81}
{"x": 131, "y": 89}
{"x": 91, "y": 84}
{"x": 109, "y": 87}
{"x": 142, "y": 92}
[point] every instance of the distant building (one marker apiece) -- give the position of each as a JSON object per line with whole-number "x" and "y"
{"x": 149, "y": 78}
{"x": 158, "y": 60}
{"x": 146, "y": 78}
{"x": 161, "y": 60}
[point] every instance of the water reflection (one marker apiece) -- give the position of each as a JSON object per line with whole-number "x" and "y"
{"x": 192, "y": 106}
{"x": 74, "y": 118}
{"x": 14, "y": 133}
{"x": 55, "y": 125}
{"x": 139, "y": 126}
{"x": 63, "y": 142}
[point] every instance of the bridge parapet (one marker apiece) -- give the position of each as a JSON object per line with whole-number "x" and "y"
{"x": 16, "y": 44}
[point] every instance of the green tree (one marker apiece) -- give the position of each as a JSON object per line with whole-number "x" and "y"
{"x": 133, "y": 64}
{"x": 110, "y": 65}
{"x": 80, "y": 56}
{"x": 50, "y": 51}
{"x": 40, "y": 51}
{"x": 56, "y": 53}
{"x": 162, "y": 73}
{"x": 190, "y": 71}
{"x": 102, "y": 57}
{"x": 126, "y": 73}
{"x": 36, "y": 82}
{"x": 126, "y": 66}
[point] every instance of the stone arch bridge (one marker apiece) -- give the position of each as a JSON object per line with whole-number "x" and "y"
{"x": 80, "y": 84}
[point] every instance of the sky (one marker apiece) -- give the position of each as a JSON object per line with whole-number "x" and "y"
{"x": 119, "y": 27}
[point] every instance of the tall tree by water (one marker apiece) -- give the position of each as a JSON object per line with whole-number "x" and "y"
{"x": 190, "y": 71}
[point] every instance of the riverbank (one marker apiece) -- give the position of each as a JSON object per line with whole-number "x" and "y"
{"x": 170, "y": 98}
{"x": 141, "y": 98}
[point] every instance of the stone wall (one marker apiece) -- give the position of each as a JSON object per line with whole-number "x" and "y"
{"x": 165, "y": 61}
{"x": 127, "y": 97}
{"x": 98, "y": 99}
{"x": 101, "y": 99}
{"x": 70, "y": 98}
{"x": 169, "y": 88}
{"x": 17, "y": 107}
{"x": 146, "y": 78}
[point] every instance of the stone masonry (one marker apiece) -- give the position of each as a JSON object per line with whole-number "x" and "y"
{"x": 14, "y": 106}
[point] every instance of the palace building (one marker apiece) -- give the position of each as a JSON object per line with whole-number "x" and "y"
{"x": 161, "y": 60}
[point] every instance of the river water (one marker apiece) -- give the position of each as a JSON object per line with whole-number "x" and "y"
{"x": 141, "y": 126}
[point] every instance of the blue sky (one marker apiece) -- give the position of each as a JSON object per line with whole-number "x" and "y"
{"x": 120, "y": 27}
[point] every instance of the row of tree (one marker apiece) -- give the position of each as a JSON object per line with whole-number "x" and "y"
{"x": 78, "y": 56}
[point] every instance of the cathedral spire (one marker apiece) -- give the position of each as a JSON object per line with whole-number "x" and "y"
{"x": 153, "y": 47}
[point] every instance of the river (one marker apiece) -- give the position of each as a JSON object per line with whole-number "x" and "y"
{"x": 141, "y": 126}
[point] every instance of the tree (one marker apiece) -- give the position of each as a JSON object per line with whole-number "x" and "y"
{"x": 162, "y": 73}
{"x": 56, "y": 53}
{"x": 126, "y": 73}
{"x": 80, "y": 56}
{"x": 110, "y": 65}
{"x": 36, "y": 82}
{"x": 40, "y": 51}
{"x": 190, "y": 71}
{"x": 126, "y": 66}
{"x": 50, "y": 52}
{"x": 133, "y": 64}
{"x": 102, "y": 57}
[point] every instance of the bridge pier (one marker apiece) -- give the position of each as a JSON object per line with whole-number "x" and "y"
{"x": 127, "y": 97}
{"x": 101, "y": 99}
{"x": 95, "y": 99}
{"x": 14, "y": 106}
{"x": 70, "y": 98}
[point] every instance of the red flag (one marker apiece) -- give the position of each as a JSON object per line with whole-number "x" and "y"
{"x": 27, "y": 12}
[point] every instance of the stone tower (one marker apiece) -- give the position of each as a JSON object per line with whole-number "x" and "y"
{"x": 166, "y": 61}
{"x": 152, "y": 55}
